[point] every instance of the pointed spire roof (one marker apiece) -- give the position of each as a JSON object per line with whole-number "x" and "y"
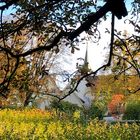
{"x": 86, "y": 57}
{"x": 85, "y": 67}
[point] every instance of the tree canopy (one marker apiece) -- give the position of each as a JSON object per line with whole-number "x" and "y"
{"x": 33, "y": 28}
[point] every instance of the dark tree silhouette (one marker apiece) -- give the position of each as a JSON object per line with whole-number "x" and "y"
{"x": 49, "y": 22}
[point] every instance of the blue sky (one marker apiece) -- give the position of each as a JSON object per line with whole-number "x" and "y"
{"x": 128, "y": 4}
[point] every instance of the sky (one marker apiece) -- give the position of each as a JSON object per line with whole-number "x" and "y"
{"x": 97, "y": 52}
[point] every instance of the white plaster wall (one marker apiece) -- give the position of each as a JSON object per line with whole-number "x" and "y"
{"x": 82, "y": 93}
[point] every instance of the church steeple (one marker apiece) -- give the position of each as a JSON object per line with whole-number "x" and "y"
{"x": 85, "y": 67}
{"x": 86, "y": 64}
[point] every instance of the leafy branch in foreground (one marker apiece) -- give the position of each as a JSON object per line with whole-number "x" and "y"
{"x": 51, "y": 24}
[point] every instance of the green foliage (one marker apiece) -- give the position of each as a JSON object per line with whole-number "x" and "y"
{"x": 132, "y": 111}
{"x": 65, "y": 106}
{"x": 70, "y": 109}
{"x": 95, "y": 112}
{"x": 102, "y": 99}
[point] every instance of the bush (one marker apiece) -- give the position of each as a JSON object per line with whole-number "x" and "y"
{"x": 65, "y": 106}
{"x": 132, "y": 111}
{"x": 95, "y": 112}
{"x": 34, "y": 124}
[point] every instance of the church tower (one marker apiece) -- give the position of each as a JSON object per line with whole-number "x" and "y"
{"x": 84, "y": 69}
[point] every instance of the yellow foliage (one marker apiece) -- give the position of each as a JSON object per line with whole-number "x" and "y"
{"x": 46, "y": 125}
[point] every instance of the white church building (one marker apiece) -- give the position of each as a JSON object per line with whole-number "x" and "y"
{"x": 82, "y": 96}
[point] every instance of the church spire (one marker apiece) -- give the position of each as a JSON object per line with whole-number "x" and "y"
{"x": 85, "y": 67}
{"x": 86, "y": 58}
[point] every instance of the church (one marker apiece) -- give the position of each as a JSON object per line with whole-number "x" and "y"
{"x": 83, "y": 95}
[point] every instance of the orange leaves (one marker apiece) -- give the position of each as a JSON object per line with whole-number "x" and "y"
{"x": 21, "y": 69}
{"x": 115, "y": 105}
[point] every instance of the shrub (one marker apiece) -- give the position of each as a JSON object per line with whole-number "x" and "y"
{"x": 34, "y": 124}
{"x": 115, "y": 106}
{"x": 95, "y": 112}
{"x": 65, "y": 106}
{"x": 132, "y": 111}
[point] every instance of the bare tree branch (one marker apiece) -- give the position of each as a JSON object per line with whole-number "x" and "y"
{"x": 133, "y": 63}
{"x": 102, "y": 67}
{"x": 116, "y": 7}
{"x": 3, "y": 87}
